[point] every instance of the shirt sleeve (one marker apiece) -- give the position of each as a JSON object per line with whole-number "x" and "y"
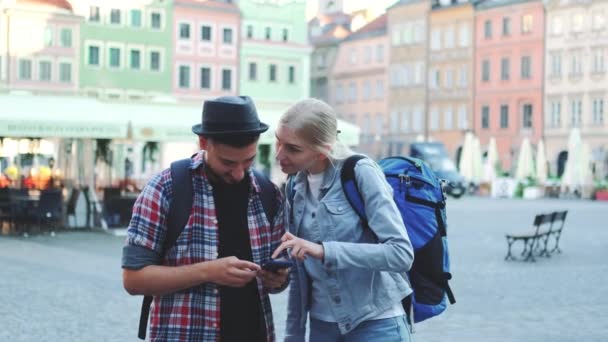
{"x": 147, "y": 230}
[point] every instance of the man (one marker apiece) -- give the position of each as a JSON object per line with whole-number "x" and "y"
{"x": 210, "y": 285}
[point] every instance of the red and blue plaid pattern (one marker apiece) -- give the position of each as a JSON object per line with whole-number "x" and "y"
{"x": 194, "y": 314}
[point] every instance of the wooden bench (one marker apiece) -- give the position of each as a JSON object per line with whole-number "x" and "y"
{"x": 545, "y": 228}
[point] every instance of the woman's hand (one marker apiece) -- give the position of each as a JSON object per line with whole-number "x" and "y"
{"x": 299, "y": 248}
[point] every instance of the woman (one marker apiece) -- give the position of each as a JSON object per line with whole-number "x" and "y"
{"x": 349, "y": 278}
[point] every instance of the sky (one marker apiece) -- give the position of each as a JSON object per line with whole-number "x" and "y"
{"x": 352, "y": 5}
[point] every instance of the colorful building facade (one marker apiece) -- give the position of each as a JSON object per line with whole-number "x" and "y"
{"x": 450, "y": 74}
{"x": 206, "y": 43}
{"x": 408, "y": 58}
{"x": 576, "y": 80}
{"x": 126, "y": 48}
{"x": 274, "y": 53}
{"x": 509, "y": 57}
{"x": 358, "y": 84}
{"x": 39, "y": 46}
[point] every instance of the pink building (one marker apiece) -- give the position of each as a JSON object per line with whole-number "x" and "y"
{"x": 40, "y": 46}
{"x": 509, "y": 75}
{"x": 206, "y": 49}
{"x": 358, "y": 84}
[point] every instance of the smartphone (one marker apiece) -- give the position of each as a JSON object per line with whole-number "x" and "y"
{"x": 277, "y": 264}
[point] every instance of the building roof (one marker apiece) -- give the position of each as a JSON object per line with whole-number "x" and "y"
{"x": 488, "y": 4}
{"x": 209, "y": 4}
{"x": 376, "y": 27}
{"x": 62, "y": 4}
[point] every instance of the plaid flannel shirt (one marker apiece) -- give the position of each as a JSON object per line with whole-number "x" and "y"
{"x": 194, "y": 314}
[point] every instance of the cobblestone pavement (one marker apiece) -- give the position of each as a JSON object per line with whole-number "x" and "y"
{"x": 68, "y": 287}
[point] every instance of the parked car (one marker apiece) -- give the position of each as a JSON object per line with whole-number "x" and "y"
{"x": 435, "y": 154}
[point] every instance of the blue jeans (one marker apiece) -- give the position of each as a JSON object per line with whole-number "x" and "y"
{"x": 380, "y": 330}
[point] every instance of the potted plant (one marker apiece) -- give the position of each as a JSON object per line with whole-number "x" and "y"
{"x": 601, "y": 191}
{"x": 531, "y": 190}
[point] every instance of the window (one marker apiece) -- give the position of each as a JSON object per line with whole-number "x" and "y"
{"x": 449, "y": 37}
{"x": 367, "y": 54}
{"x": 577, "y": 23}
{"x": 184, "y": 31}
{"x": 556, "y": 65}
{"x": 436, "y": 39}
{"x": 380, "y": 53}
{"x": 527, "y": 116}
{"x": 352, "y": 92}
{"x": 48, "y": 36}
{"x": 353, "y": 56}
{"x": 419, "y": 32}
{"x": 485, "y": 117}
{"x": 379, "y": 124}
{"x": 115, "y": 16}
{"x": 598, "y": 61}
{"x": 156, "y": 20}
{"x": 66, "y": 37}
{"x": 366, "y": 91}
{"x": 463, "y": 120}
{"x": 485, "y": 70}
{"x": 598, "y": 21}
{"x": 184, "y": 76}
{"x": 135, "y": 59}
{"x": 487, "y": 29}
{"x": 464, "y": 78}
{"x": 272, "y": 72}
{"x": 419, "y": 73}
{"x": 285, "y": 35}
{"x": 292, "y": 74}
{"x": 526, "y": 67}
{"x": 155, "y": 61}
{"x": 504, "y": 69}
{"x": 576, "y": 69}
{"x": 557, "y": 25}
{"x": 396, "y": 35}
{"x": 465, "y": 35}
{"x": 136, "y": 18}
{"x": 526, "y": 23}
{"x": 226, "y": 79}
{"x": 408, "y": 34}
{"x": 206, "y": 33}
{"x": 65, "y": 72}
{"x": 405, "y": 121}
{"x": 417, "y": 120}
{"x": 434, "y": 123}
{"x": 556, "y": 114}
{"x": 253, "y": 71}
{"x": 394, "y": 126}
{"x": 379, "y": 89}
{"x": 435, "y": 78}
{"x": 114, "y": 59}
{"x": 205, "y": 78}
{"x": 576, "y": 113}
{"x": 339, "y": 93}
{"x": 449, "y": 78}
{"x": 504, "y": 116}
{"x": 25, "y": 69}
{"x": 94, "y": 14}
{"x": 268, "y": 33}
{"x": 249, "y": 31}
{"x": 45, "y": 71}
{"x": 448, "y": 119}
{"x": 506, "y": 26}
{"x": 598, "y": 112}
{"x": 94, "y": 55}
{"x": 227, "y": 36}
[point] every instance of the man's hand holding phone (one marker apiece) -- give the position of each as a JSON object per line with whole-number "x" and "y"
{"x": 274, "y": 273}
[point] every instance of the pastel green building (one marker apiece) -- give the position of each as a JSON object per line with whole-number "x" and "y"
{"x": 126, "y": 49}
{"x": 275, "y": 54}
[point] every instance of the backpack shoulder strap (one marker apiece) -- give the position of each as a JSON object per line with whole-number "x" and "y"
{"x": 177, "y": 218}
{"x": 350, "y": 187}
{"x": 268, "y": 195}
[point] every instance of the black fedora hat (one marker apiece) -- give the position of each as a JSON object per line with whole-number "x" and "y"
{"x": 229, "y": 115}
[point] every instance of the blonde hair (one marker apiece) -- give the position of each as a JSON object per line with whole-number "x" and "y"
{"x": 315, "y": 122}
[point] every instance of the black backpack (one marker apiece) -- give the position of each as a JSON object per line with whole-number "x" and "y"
{"x": 179, "y": 212}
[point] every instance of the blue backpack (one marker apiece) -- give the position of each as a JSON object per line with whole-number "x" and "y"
{"x": 420, "y": 199}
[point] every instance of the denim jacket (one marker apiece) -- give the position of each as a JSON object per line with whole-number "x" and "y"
{"x": 365, "y": 270}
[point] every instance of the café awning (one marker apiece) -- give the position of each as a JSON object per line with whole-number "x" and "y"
{"x": 80, "y": 117}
